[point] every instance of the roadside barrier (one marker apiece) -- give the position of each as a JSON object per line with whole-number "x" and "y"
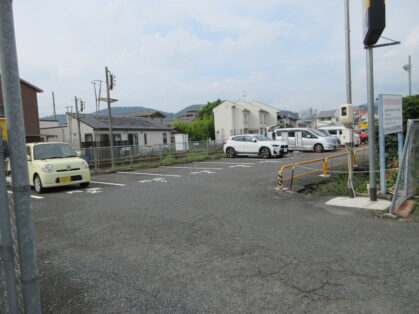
{"x": 326, "y": 164}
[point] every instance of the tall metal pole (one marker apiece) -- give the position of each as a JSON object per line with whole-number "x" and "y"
{"x": 78, "y": 120}
{"x": 348, "y": 54}
{"x": 109, "y": 117}
{"x": 18, "y": 160}
{"x": 350, "y": 185}
{"x": 6, "y": 244}
{"x": 371, "y": 123}
{"x": 409, "y": 73}
{"x": 53, "y": 106}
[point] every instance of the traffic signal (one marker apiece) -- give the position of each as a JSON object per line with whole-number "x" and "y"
{"x": 112, "y": 81}
{"x": 82, "y": 105}
{"x": 374, "y": 20}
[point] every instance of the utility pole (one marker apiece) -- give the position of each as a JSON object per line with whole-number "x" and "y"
{"x": 78, "y": 119}
{"x": 408, "y": 68}
{"x": 109, "y": 80}
{"x": 350, "y": 185}
{"x": 69, "y": 109}
{"x": 53, "y": 106}
{"x": 18, "y": 160}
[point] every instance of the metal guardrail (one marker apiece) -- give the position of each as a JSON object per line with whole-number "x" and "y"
{"x": 325, "y": 166}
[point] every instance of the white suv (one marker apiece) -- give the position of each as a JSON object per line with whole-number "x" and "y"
{"x": 254, "y": 144}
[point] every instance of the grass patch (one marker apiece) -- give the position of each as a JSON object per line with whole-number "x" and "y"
{"x": 336, "y": 185}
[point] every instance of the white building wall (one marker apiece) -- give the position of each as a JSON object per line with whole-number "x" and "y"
{"x": 153, "y": 137}
{"x": 223, "y": 120}
{"x": 55, "y": 134}
{"x": 272, "y": 112}
{"x": 48, "y": 124}
{"x": 73, "y": 131}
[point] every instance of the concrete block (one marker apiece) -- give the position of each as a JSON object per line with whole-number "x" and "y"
{"x": 359, "y": 202}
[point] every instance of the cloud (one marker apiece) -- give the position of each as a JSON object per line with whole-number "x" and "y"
{"x": 170, "y": 54}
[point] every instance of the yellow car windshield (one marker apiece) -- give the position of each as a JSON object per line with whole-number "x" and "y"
{"x": 53, "y": 150}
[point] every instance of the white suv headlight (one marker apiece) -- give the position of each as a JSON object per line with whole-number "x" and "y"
{"x": 84, "y": 164}
{"x": 47, "y": 168}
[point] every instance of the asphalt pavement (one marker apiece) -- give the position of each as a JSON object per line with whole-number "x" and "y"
{"x": 215, "y": 236}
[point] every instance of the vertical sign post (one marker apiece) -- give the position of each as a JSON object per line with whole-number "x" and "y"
{"x": 374, "y": 25}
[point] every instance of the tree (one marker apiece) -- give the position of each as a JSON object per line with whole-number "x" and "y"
{"x": 206, "y": 111}
{"x": 203, "y": 128}
{"x": 410, "y": 109}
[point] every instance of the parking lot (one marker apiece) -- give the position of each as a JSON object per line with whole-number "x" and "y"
{"x": 215, "y": 236}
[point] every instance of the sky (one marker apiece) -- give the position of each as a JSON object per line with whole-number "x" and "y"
{"x": 171, "y": 54}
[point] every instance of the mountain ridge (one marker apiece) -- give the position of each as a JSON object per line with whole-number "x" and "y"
{"x": 117, "y": 111}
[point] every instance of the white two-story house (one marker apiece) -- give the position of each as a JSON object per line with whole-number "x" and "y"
{"x": 240, "y": 117}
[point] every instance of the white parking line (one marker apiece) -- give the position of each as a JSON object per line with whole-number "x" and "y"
{"x": 227, "y": 163}
{"x": 203, "y": 171}
{"x": 108, "y": 183}
{"x": 32, "y": 196}
{"x": 200, "y": 168}
{"x": 37, "y": 197}
{"x": 152, "y": 174}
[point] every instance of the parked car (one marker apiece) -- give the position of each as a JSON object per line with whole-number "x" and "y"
{"x": 337, "y": 131}
{"x": 254, "y": 144}
{"x": 363, "y": 136}
{"x": 311, "y": 139}
{"x": 55, "y": 164}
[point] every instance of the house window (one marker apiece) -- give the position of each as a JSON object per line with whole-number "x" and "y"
{"x": 164, "y": 138}
{"x": 88, "y": 137}
{"x": 116, "y": 138}
{"x": 133, "y": 139}
{"x": 145, "y": 138}
{"x": 245, "y": 117}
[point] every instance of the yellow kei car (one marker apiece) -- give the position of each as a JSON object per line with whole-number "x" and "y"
{"x": 55, "y": 164}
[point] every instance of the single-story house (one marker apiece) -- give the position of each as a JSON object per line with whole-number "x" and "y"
{"x": 94, "y": 129}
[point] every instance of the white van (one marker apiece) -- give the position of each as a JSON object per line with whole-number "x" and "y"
{"x": 337, "y": 131}
{"x": 306, "y": 139}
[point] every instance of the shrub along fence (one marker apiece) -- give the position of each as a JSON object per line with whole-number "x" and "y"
{"x": 134, "y": 155}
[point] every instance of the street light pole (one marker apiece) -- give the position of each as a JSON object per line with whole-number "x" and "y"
{"x": 107, "y": 74}
{"x": 53, "y": 106}
{"x": 408, "y": 68}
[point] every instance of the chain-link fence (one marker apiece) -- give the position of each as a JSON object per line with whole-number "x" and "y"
{"x": 407, "y": 184}
{"x": 134, "y": 155}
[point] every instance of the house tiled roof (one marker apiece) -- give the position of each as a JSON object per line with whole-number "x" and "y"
{"x": 326, "y": 114}
{"x": 121, "y": 123}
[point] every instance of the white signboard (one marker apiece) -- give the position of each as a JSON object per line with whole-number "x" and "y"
{"x": 391, "y": 113}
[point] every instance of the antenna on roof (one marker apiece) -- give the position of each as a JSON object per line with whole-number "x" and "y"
{"x": 244, "y": 95}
